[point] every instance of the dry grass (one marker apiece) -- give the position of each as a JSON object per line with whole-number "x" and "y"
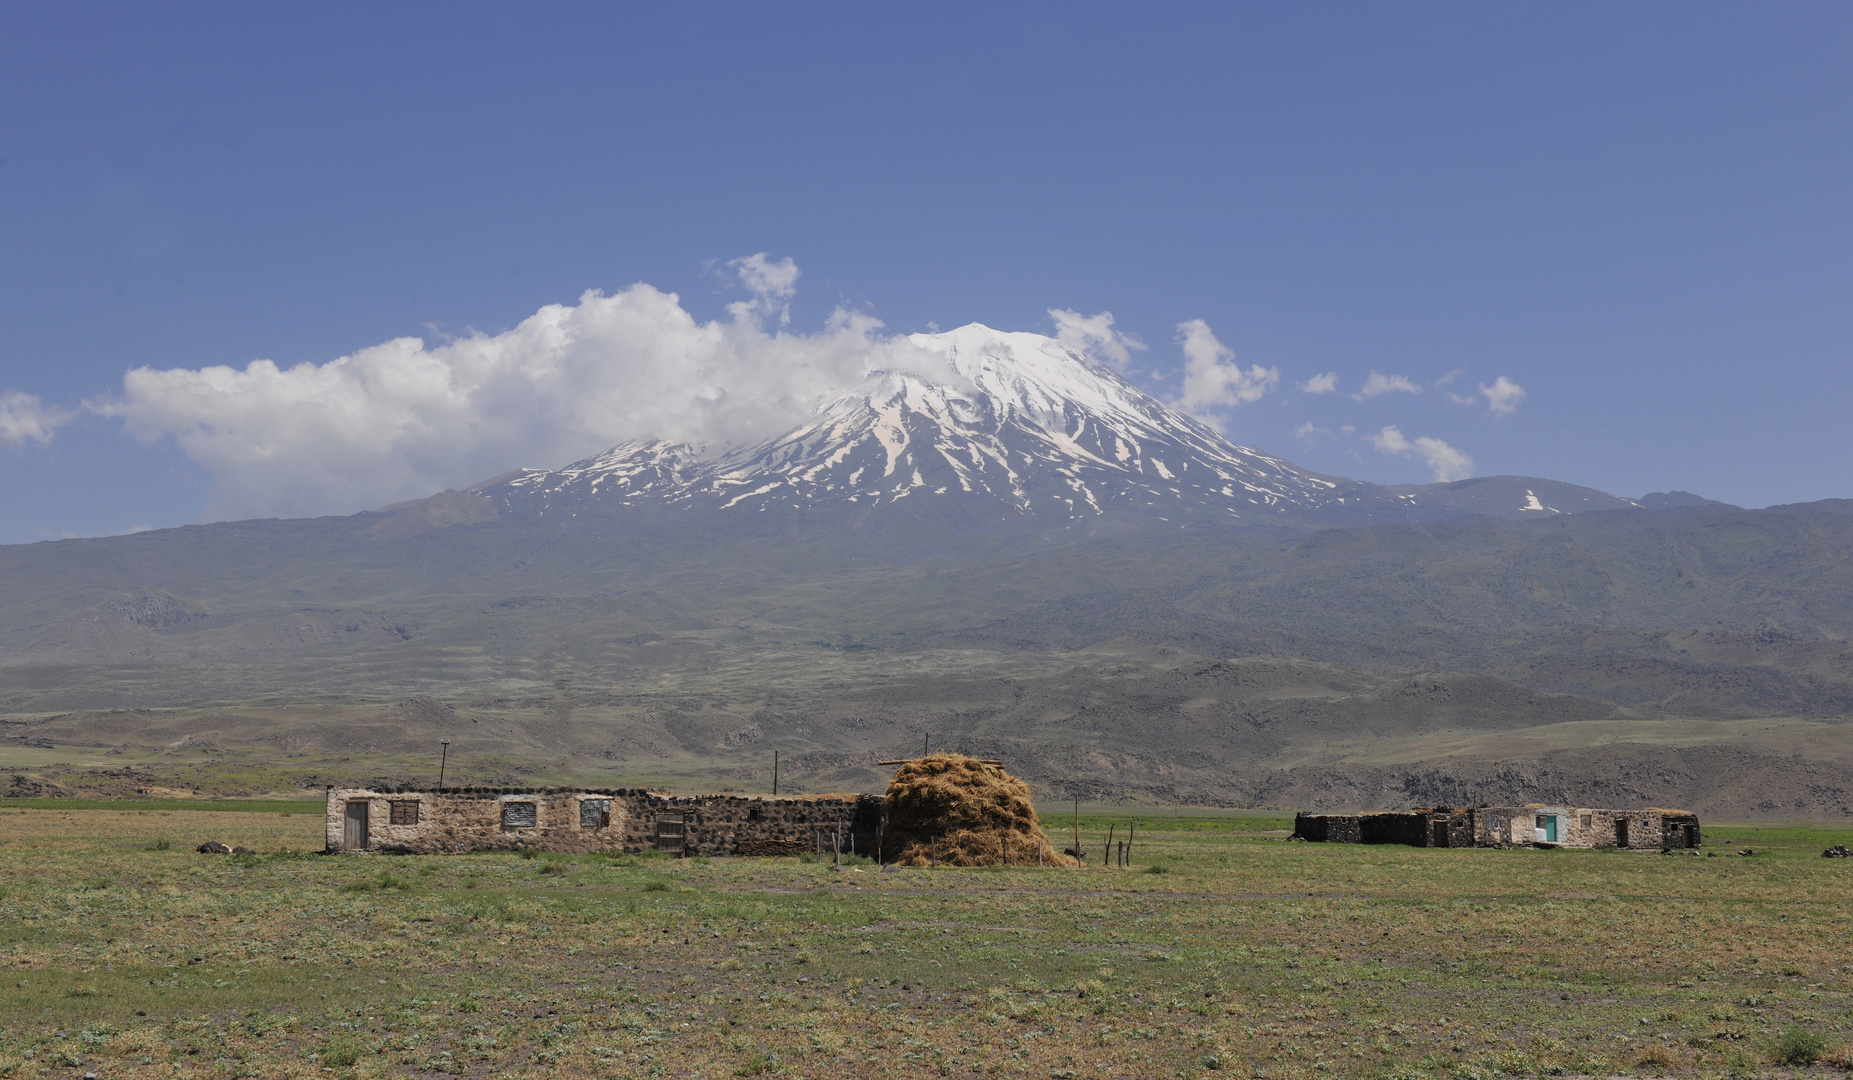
{"x": 959, "y": 811}
{"x": 1251, "y": 957}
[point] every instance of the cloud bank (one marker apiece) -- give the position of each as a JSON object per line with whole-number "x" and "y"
{"x": 25, "y": 418}
{"x": 1443, "y": 460}
{"x": 1212, "y": 378}
{"x": 403, "y": 419}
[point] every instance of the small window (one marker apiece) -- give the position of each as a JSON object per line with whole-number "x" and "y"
{"x": 594, "y": 813}
{"x": 752, "y": 813}
{"x": 519, "y": 815}
{"x": 405, "y": 811}
{"x": 1587, "y": 820}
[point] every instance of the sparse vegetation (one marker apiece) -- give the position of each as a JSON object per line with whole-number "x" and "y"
{"x": 1250, "y": 957}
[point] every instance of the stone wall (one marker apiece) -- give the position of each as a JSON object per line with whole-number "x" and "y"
{"x": 1394, "y": 828}
{"x": 1651, "y": 829}
{"x": 599, "y": 820}
{"x": 1327, "y": 828}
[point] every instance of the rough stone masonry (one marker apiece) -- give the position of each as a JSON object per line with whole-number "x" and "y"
{"x": 580, "y": 821}
{"x": 1532, "y": 825}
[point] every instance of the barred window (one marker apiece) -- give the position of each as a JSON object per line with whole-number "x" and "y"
{"x": 519, "y": 815}
{"x": 405, "y": 811}
{"x": 594, "y": 813}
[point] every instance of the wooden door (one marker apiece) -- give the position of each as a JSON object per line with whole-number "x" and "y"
{"x": 354, "y": 835}
{"x": 671, "y": 833}
{"x": 1441, "y": 834}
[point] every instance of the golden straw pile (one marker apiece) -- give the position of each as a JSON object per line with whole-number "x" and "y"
{"x": 961, "y": 812}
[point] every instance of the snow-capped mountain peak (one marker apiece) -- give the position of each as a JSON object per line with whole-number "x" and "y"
{"x": 1029, "y": 425}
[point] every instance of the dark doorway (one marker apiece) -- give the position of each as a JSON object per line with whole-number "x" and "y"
{"x": 354, "y": 834}
{"x": 1621, "y": 832}
{"x": 1441, "y": 834}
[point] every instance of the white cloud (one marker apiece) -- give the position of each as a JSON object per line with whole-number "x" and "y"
{"x": 1306, "y": 431}
{"x": 1449, "y": 377}
{"x": 1320, "y": 384}
{"x": 1503, "y": 396}
{"x": 1212, "y": 379}
{"x": 403, "y": 419}
{"x": 25, "y": 418}
{"x": 772, "y": 284}
{"x": 1094, "y": 334}
{"x": 1446, "y": 462}
{"x": 1384, "y": 384}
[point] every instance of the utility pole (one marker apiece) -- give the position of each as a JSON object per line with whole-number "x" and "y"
{"x": 443, "y": 760}
{"x": 775, "y": 772}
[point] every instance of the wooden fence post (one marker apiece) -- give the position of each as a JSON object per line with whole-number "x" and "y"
{"x": 1107, "y": 855}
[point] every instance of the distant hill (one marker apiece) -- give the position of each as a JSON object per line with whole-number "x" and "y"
{"x": 1675, "y": 500}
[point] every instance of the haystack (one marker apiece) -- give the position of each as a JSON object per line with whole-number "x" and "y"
{"x": 962, "y": 812}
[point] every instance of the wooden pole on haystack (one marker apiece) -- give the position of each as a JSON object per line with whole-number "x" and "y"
{"x": 775, "y": 772}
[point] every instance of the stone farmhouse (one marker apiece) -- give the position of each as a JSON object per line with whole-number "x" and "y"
{"x": 1532, "y": 825}
{"x": 583, "y": 821}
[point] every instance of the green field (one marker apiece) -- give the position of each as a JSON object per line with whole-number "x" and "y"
{"x": 1246, "y": 956}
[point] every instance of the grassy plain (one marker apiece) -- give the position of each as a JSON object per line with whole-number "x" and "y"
{"x": 1248, "y": 955}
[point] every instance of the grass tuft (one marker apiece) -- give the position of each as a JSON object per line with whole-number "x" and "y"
{"x": 1799, "y": 1046}
{"x": 341, "y": 1053}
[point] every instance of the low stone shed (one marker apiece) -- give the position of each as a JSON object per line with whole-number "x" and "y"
{"x": 1531, "y": 825}
{"x": 584, "y": 821}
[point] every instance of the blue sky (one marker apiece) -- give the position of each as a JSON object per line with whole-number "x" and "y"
{"x": 1637, "y": 213}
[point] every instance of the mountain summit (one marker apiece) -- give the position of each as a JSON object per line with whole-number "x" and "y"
{"x": 1032, "y": 428}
